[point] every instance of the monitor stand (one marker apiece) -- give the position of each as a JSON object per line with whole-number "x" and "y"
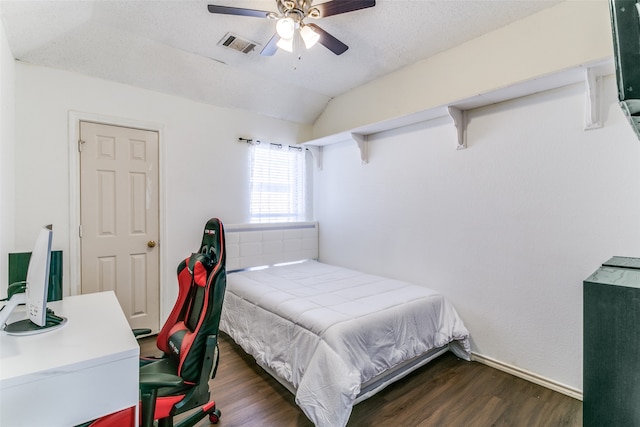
{"x": 27, "y": 327}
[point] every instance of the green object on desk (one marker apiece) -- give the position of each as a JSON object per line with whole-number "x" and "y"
{"x": 19, "y": 263}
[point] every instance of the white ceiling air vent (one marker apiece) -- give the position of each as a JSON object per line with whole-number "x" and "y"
{"x": 235, "y": 42}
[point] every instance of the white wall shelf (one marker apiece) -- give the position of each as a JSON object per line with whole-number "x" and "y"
{"x": 591, "y": 74}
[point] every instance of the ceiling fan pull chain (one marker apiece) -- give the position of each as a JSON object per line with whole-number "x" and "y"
{"x": 296, "y": 50}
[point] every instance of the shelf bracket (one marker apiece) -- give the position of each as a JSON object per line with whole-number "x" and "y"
{"x": 316, "y": 153}
{"x": 460, "y": 122}
{"x": 363, "y": 146}
{"x": 593, "y": 87}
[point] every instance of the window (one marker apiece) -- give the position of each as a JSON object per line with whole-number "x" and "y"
{"x": 279, "y": 183}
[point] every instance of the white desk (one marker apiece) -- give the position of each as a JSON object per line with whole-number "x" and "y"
{"x": 86, "y": 369}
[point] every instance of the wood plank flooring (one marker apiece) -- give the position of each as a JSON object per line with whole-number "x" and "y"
{"x": 446, "y": 392}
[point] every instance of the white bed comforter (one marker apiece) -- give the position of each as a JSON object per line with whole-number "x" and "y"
{"x": 326, "y": 330}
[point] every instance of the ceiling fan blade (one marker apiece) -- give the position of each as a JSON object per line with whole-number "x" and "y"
{"x": 271, "y": 48}
{"x": 336, "y": 7}
{"x": 226, "y": 10}
{"x": 328, "y": 41}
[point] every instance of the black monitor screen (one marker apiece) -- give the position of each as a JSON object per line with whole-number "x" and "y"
{"x": 625, "y": 18}
{"x": 625, "y": 24}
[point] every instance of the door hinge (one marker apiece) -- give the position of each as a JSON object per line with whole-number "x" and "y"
{"x": 80, "y": 231}
{"x": 80, "y": 142}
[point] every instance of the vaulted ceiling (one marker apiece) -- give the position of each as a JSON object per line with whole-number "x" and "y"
{"x": 172, "y": 46}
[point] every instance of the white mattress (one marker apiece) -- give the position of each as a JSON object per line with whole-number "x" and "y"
{"x": 326, "y": 330}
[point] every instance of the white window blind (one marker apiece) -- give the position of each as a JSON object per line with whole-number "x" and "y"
{"x": 278, "y": 183}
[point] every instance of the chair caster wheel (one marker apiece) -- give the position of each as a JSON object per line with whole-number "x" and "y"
{"x": 214, "y": 417}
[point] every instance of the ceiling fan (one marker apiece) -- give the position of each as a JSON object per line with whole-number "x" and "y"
{"x": 290, "y": 22}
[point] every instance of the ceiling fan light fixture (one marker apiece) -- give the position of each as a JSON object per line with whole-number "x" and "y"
{"x": 309, "y": 36}
{"x": 286, "y": 28}
{"x": 290, "y": 20}
{"x": 285, "y": 44}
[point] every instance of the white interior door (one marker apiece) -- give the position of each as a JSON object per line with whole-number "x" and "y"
{"x": 119, "y": 212}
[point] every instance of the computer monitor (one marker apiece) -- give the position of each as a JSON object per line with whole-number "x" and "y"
{"x": 625, "y": 24}
{"x": 39, "y": 319}
{"x": 38, "y": 277}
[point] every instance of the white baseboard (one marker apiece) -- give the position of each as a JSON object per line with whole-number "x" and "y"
{"x": 529, "y": 376}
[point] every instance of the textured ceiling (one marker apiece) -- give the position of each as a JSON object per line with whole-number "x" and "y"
{"x": 172, "y": 46}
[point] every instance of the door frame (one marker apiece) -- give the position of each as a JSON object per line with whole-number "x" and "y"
{"x": 75, "y": 266}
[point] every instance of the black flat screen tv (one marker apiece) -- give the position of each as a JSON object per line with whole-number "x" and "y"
{"x": 625, "y": 24}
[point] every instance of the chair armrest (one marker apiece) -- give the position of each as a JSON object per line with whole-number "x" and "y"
{"x": 153, "y": 381}
{"x": 139, "y": 331}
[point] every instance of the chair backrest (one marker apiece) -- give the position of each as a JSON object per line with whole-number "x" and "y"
{"x": 196, "y": 314}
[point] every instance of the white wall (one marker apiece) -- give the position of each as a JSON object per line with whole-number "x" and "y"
{"x": 507, "y": 229}
{"x": 7, "y": 142}
{"x": 204, "y": 168}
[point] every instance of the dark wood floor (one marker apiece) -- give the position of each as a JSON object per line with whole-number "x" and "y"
{"x": 446, "y": 392}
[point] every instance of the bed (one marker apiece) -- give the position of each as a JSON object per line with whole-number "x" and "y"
{"x": 331, "y": 335}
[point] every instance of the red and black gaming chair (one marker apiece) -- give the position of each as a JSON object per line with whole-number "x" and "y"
{"x": 179, "y": 381}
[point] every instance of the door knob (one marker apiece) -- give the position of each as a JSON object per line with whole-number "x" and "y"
{"x": 151, "y": 244}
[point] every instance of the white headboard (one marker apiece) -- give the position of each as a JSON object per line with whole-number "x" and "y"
{"x": 254, "y": 245}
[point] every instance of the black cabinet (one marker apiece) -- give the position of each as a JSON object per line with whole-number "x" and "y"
{"x": 611, "y": 370}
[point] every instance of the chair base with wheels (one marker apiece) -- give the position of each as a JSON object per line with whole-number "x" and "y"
{"x": 164, "y": 395}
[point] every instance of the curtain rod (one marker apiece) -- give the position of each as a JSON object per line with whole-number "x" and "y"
{"x": 258, "y": 142}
